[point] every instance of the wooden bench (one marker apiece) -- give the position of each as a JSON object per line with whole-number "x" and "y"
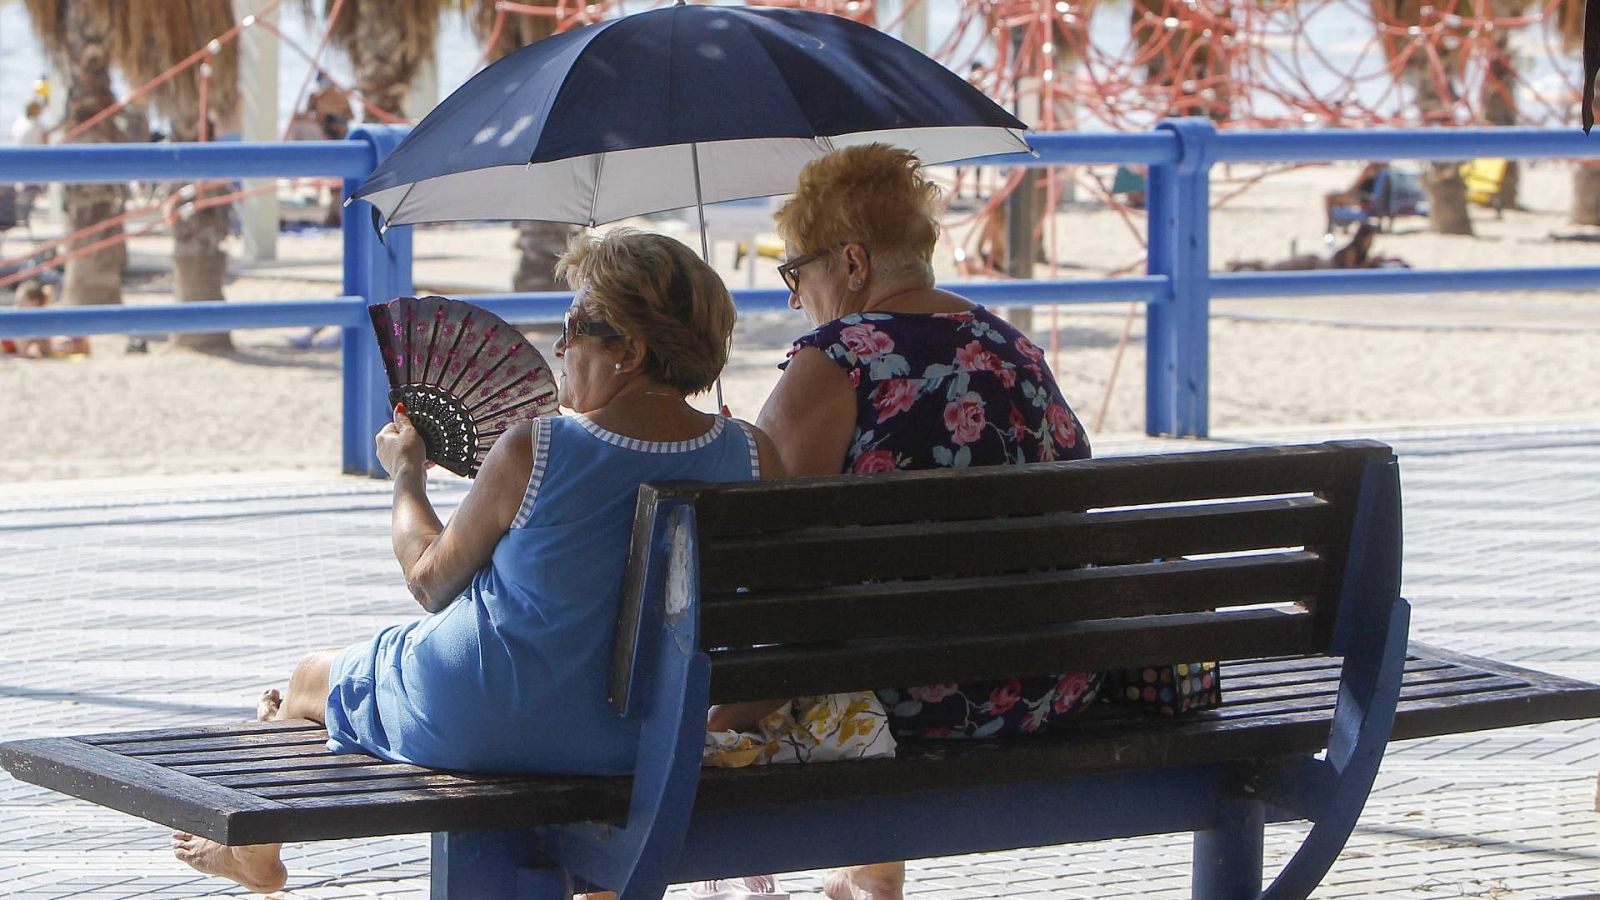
{"x": 1284, "y": 563}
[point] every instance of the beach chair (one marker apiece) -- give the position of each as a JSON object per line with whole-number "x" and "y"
{"x": 1485, "y": 180}
{"x": 1395, "y": 192}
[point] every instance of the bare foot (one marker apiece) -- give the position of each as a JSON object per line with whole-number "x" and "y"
{"x": 882, "y": 881}
{"x": 269, "y": 704}
{"x": 256, "y": 867}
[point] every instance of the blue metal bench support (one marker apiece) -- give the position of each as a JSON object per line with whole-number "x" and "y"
{"x": 670, "y": 696}
{"x": 1227, "y": 856}
{"x": 494, "y": 864}
{"x": 377, "y": 271}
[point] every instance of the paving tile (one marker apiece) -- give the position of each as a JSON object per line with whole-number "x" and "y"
{"x": 228, "y": 583}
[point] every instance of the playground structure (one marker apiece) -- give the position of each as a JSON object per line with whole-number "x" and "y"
{"x": 1093, "y": 65}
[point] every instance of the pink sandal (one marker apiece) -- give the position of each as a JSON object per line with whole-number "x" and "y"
{"x": 750, "y": 887}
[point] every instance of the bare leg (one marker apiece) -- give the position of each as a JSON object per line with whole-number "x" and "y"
{"x": 879, "y": 881}
{"x": 308, "y": 689}
{"x": 259, "y": 867}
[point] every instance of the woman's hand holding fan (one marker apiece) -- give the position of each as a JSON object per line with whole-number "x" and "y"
{"x": 461, "y": 373}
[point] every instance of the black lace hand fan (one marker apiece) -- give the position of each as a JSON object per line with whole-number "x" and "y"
{"x": 464, "y": 375}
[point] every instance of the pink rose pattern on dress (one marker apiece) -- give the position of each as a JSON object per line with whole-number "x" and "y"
{"x": 964, "y": 419}
{"x": 866, "y": 342}
{"x": 894, "y": 396}
{"x": 875, "y": 461}
{"x": 958, "y": 389}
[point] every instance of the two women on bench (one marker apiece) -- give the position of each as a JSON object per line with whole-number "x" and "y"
{"x": 525, "y": 581}
{"x": 897, "y": 374}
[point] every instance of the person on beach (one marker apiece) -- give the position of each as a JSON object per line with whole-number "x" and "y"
{"x": 29, "y": 295}
{"x": 1358, "y": 194}
{"x": 896, "y": 375}
{"x": 522, "y": 587}
{"x": 33, "y": 295}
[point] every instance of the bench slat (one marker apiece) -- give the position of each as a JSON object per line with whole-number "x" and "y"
{"x": 217, "y": 742}
{"x": 124, "y": 738}
{"x": 294, "y": 764}
{"x": 257, "y": 753}
{"x": 958, "y": 605}
{"x": 738, "y": 510}
{"x": 852, "y": 555}
{"x": 131, "y": 785}
{"x": 341, "y": 775}
{"x": 1443, "y": 693}
{"x": 804, "y": 670}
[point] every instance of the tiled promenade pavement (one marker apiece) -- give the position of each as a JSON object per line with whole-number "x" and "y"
{"x": 169, "y": 602}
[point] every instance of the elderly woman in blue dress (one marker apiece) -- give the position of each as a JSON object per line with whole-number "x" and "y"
{"x": 522, "y": 586}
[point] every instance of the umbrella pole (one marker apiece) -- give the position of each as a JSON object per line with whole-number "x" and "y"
{"x": 705, "y": 246}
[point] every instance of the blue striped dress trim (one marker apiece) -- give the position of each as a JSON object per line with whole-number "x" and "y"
{"x": 755, "y": 451}
{"x": 541, "y": 454}
{"x": 628, "y": 443}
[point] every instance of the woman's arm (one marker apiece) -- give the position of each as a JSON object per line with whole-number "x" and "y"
{"x": 438, "y": 561}
{"x": 810, "y": 415}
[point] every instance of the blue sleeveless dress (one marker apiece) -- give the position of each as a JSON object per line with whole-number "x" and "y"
{"x": 511, "y": 677}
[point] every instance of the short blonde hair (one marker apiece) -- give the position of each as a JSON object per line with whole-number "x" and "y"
{"x": 871, "y": 194}
{"x": 656, "y": 290}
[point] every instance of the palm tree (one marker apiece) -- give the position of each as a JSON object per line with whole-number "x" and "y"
{"x": 388, "y": 43}
{"x": 78, "y": 35}
{"x": 540, "y": 243}
{"x": 1194, "y": 63}
{"x": 1435, "y": 94}
{"x": 148, "y": 39}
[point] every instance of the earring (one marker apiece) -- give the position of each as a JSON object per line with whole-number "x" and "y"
{"x": 618, "y": 367}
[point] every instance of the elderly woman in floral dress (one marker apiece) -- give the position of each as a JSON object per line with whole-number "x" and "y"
{"x": 898, "y": 374}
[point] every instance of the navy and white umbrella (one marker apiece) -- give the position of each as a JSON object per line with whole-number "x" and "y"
{"x": 676, "y": 107}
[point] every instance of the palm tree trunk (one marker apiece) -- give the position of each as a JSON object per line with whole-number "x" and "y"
{"x": 1499, "y": 93}
{"x": 1586, "y": 195}
{"x": 199, "y": 268}
{"x": 1447, "y": 192}
{"x": 199, "y": 264}
{"x": 95, "y": 278}
{"x": 541, "y": 243}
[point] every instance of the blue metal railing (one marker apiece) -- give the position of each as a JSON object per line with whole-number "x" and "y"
{"x": 1177, "y": 287}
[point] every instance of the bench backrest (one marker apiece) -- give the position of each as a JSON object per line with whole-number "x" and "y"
{"x": 817, "y": 585}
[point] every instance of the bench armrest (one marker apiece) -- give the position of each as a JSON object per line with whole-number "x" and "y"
{"x": 1371, "y": 634}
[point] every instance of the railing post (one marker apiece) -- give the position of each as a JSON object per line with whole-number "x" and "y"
{"x": 1177, "y": 356}
{"x": 377, "y": 271}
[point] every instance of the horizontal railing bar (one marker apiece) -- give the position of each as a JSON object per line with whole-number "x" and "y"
{"x": 179, "y": 318}
{"x": 1402, "y": 143}
{"x": 1056, "y": 147}
{"x": 547, "y": 306}
{"x": 169, "y": 161}
{"x": 173, "y": 161}
{"x": 1401, "y": 281}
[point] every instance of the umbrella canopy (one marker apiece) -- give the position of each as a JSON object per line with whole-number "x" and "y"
{"x": 672, "y": 108}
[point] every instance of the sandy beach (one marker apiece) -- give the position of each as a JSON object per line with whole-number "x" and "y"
{"x": 1401, "y": 360}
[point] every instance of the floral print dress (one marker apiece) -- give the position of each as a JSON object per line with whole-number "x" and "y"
{"x": 952, "y": 390}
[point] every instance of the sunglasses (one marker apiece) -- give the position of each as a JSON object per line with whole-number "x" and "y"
{"x": 593, "y": 327}
{"x": 790, "y": 271}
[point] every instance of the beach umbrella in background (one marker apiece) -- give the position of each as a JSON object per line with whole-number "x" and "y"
{"x": 671, "y": 108}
